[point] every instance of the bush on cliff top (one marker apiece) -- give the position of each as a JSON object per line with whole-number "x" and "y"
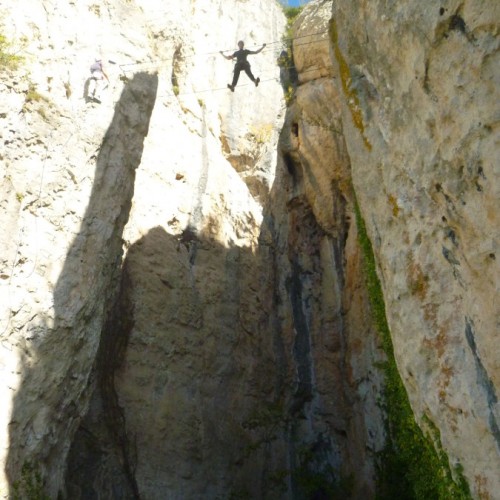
{"x": 285, "y": 61}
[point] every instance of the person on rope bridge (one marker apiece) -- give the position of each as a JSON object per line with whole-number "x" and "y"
{"x": 242, "y": 64}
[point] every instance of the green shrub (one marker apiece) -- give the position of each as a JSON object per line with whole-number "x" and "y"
{"x": 291, "y": 14}
{"x": 285, "y": 61}
{"x": 8, "y": 58}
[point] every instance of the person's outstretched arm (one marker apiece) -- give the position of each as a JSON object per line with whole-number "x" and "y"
{"x": 229, "y": 58}
{"x": 257, "y": 51}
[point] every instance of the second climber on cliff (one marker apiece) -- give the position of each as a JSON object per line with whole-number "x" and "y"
{"x": 242, "y": 64}
{"x": 96, "y": 81}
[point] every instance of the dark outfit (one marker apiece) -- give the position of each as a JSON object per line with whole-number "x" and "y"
{"x": 242, "y": 64}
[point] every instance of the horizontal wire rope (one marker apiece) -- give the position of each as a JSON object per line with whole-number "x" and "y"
{"x": 265, "y": 70}
{"x": 172, "y": 94}
{"x": 213, "y": 54}
{"x": 192, "y": 92}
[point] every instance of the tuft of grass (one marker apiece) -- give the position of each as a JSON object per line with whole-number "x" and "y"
{"x": 262, "y": 133}
{"x": 33, "y": 95}
{"x": 412, "y": 465}
{"x": 8, "y": 59}
{"x": 289, "y": 94}
{"x": 96, "y": 9}
{"x": 67, "y": 89}
{"x": 43, "y": 113}
{"x": 393, "y": 202}
{"x": 176, "y": 70}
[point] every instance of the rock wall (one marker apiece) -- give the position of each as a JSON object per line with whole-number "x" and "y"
{"x": 184, "y": 307}
{"x": 419, "y": 84}
{"x": 238, "y": 362}
{"x": 184, "y": 310}
{"x": 320, "y": 271}
{"x": 169, "y": 147}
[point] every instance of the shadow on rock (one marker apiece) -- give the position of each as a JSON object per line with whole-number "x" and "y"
{"x": 59, "y": 357}
{"x": 222, "y": 370}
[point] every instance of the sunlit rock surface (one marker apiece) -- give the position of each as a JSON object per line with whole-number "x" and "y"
{"x": 169, "y": 149}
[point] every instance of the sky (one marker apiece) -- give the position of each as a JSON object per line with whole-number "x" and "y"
{"x": 296, "y": 3}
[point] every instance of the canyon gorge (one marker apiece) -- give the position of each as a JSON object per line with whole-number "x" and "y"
{"x": 289, "y": 291}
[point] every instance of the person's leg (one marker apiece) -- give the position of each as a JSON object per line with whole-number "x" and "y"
{"x": 98, "y": 87}
{"x": 236, "y": 75}
{"x": 248, "y": 71}
{"x": 92, "y": 87}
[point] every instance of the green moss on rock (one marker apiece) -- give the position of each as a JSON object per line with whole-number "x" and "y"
{"x": 412, "y": 465}
{"x": 349, "y": 92}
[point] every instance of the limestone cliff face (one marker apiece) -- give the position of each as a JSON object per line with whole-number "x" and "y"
{"x": 180, "y": 300}
{"x": 169, "y": 148}
{"x": 320, "y": 267}
{"x": 184, "y": 311}
{"x": 223, "y": 368}
{"x": 420, "y": 112}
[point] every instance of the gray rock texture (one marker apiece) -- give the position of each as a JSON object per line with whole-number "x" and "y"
{"x": 420, "y": 86}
